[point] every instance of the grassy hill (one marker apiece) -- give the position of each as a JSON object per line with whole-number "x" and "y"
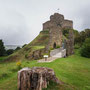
{"x": 74, "y": 71}
{"x": 38, "y": 43}
{"x": 41, "y": 40}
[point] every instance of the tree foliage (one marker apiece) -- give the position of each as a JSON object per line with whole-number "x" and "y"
{"x": 85, "y": 50}
{"x": 2, "y": 48}
{"x": 79, "y": 37}
{"x": 10, "y": 51}
{"x": 18, "y": 48}
{"x": 65, "y": 32}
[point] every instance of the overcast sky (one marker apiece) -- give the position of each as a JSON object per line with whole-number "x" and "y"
{"x": 21, "y": 20}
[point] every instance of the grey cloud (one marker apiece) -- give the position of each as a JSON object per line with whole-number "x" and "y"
{"x": 21, "y": 20}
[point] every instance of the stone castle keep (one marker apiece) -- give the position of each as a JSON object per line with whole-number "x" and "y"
{"x": 56, "y": 42}
{"x": 55, "y": 26}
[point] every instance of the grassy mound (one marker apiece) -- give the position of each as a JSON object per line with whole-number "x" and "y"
{"x": 38, "y": 43}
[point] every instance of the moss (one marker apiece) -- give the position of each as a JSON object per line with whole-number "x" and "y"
{"x": 45, "y": 32}
{"x": 57, "y": 46}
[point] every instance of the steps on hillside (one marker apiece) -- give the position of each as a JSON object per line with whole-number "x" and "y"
{"x": 60, "y": 52}
{"x": 58, "y": 55}
{"x": 55, "y": 51}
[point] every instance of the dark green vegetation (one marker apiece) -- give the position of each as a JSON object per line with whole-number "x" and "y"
{"x": 4, "y": 52}
{"x": 9, "y": 52}
{"x": 74, "y": 71}
{"x": 82, "y": 40}
{"x": 2, "y": 48}
{"x": 18, "y": 48}
{"x": 85, "y": 50}
{"x": 2, "y": 58}
{"x": 79, "y": 37}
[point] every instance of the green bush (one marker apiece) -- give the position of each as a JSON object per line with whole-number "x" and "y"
{"x": 85, "y": 49}
{"x": 10, "y": 51}
{"x": 2, "y": 48}
{"x": 18, "y": 48}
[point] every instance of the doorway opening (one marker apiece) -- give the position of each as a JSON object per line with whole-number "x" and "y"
{"x": 54, "y": 45}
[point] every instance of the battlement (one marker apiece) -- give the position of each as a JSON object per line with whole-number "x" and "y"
{"x": 57, "y": 20}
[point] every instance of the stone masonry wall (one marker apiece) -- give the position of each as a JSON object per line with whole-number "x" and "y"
{"x": 55, "y": 37}
{"x": 57, "y": 20}
{"x": 70, "y": 44}
{"x": 67, "y": 24}
{"x": 37, "y": 54}
{"x": 48, "y": 25}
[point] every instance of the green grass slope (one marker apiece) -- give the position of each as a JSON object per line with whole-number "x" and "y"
{"x": 41, "y": 40}
{"x": 38, "y": 43}
{"x": 74, "y": 71}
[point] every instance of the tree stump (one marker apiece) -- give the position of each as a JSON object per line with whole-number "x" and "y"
{"x": 35, "y": 78}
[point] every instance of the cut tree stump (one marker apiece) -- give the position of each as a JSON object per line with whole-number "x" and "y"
{"x": 35, "y": 78}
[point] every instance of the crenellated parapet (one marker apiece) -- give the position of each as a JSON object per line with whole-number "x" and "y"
{"x": 57, "y": 20}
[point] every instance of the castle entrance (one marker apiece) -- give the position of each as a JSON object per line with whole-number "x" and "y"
{"x": 54, "y": 45}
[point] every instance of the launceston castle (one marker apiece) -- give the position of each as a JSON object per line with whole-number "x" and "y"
{"x": 56, "y": 41}
{"x": 55, "y": 26}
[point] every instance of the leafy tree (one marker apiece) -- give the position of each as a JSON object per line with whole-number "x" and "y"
{"x": 82, "y": 36}
{"x": 2, "y": 48}
{"x": 87, "y": 33}
{"x": 18, "y": 48}
{"x": 79, "y": 37}
{"x": 85, "y": 50}
{"x": 76, "y": 37}
{"x": 10, "y": 51}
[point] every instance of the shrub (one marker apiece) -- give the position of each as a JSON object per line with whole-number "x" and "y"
{"x": 18, "y": 64}
{"x": 18, "y": 48}
{"x": 10, "y": 51}
{"x": 2, "y": 48}
{"x": 85, "y": 49}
